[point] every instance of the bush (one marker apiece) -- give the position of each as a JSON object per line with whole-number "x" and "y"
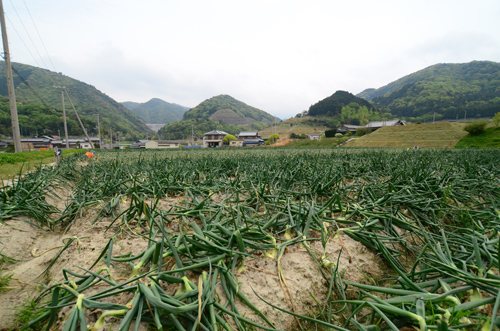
{"x": 476, "y": 127}
{"x": 339, "y": 135}
{"x": 298, "y": 136}
{"x": 330, "y": 133}
{"x": 361, "y": 131}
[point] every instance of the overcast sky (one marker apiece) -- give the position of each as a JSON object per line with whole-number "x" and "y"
{"x": 276, "y": 55}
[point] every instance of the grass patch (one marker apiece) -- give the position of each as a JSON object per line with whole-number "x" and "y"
{"x": 490, "y": 138}
{"x": 11, "y": 164}
{"x": 5, "y": 278}
{"x": 433, "y": 135}
{"x": 30, "y": 311}
{"x": 325, "y": 142}
{"x": 305, "y": 125}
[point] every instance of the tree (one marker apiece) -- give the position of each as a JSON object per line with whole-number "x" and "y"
{"x": 273, "y": 138}
{"x": 496, "y": 119}
{"x": 227, "y": 139}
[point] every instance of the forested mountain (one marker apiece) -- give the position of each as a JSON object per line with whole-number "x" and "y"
{"x": 449, "y": 90}
{"x": 344, "y": 108}
{"x": 40, "y": 105}
{"x": 209, "y": 108}
{"x": 332, "y": 105}
{"x": 223, "y": 113}
{"x": 156, "y": 111}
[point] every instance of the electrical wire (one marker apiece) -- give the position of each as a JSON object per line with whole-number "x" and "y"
{"x": 29, "y": 36}
{"x": 40, "y": 37}
{"x": 22, "y": 40}
{"x": 27, "y": 84}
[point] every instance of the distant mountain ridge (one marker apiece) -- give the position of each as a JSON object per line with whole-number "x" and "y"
{"x": 45, "y": 116}
{"x": 221, "y": 112}
{"x": 449, "y": 90}
{"x": 156, "y": 111}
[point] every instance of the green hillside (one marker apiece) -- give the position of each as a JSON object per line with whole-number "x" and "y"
{"x": 332, "y": 105}
{"x": 434, "y": 135}
{"x": 156, "y": 111}
{"x": 449, "y": 90}
{"x": 490, "y": 138}
{"x": 345, "y": 108}
{"x": 43, "y": 114}
{"x": 209, "y": 107}
{"x": 221, "y": 112}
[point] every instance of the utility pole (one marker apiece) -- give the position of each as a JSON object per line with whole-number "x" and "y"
{"x": 434, "y": 117}
{"x": 79, "y": 121}
{"x": 192, "y": 134}
{"x": 16, "y": 135}
{"x": 99, "y": 128}
{"x": 465, "y": 116}
{"x": 64, "y": 115}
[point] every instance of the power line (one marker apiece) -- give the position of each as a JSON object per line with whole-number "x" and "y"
{"x": 27, "y": 84}
{"x": 40, "y": 37}
{"x": 29, "y": 36}
{"x": 22, "y": 40}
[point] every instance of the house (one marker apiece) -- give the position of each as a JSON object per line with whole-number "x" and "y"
{"x": 348, "y": 128}
{"x": 314, "y": 136}
{"x": 75, "y": 143}
{"x": 249, "y": 138}
{"x": 253, "y": 142}
{"x": 36, "y": 144}
{"x": 161, "y": 144}
{"x": 213, "y": 138}
{"x": 249, "y": 135}
{"x": 139, "y": 144}
{"x": 85, "y": 145}
{"x": 377, "y": 125}
{"x": 372, "y": 126}
{"x": 236, "y": 143}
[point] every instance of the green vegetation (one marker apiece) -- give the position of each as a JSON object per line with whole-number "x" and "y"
{"x": 496, "y": 119}
{"x": 332, "y": 106}
{"x": 490, "y": 138}
{"x": 448, "y": 90}
{"x": 324, "y": 142}
{"x": 48, "y": 112}
{"x": 355, "y": 114}
{"x": 156, "y": 111}
{"x": 227, "y": 139}
{"x": 361, "y": 131}
{"x": 210, "y": 106}
{"x": 299, "y": 126}
{"x": 184, "y": 129}
{"x": 434, "y": 135}
{"x": 273, "y": 138}
{"x": 431, "y": 215}
{"x": 11, "y": 164}
{"x": 5, "y": 276}
{"x": 201, "y": 118}
{"x": 476, "y": 127}
{"x": 31, "y": 310}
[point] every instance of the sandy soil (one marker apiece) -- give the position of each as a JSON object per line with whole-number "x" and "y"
{"x": 34, "y": 249}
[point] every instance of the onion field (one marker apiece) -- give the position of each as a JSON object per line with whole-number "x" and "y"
{"x": 265, "y": 239}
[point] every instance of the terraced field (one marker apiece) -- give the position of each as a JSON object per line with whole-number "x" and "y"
{"x": 435, "y": 135}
